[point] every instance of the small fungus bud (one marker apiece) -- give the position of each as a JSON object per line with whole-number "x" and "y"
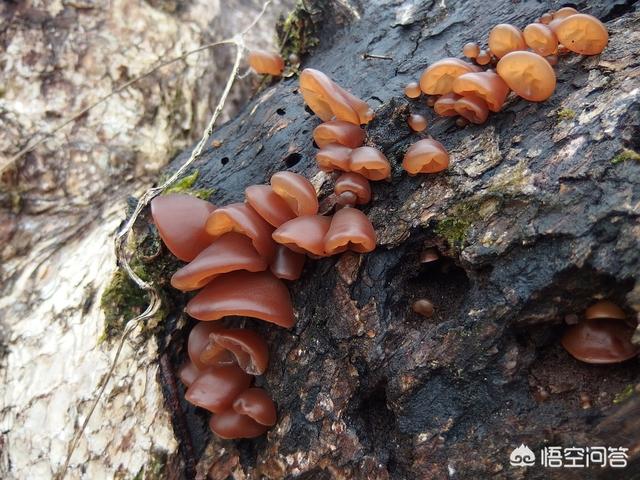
{"x": 471, "y": 50}
{"x": 412, "y": 90}
{"x": 416, "y": 122}
{"x": 483, "y": 58}
{"x": 425, "y": 156}
{"x": 266, "y": 63}
{"x": 423, "y": 307}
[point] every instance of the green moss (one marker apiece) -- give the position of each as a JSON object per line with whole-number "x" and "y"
{"x": 566, "y": 114}
{"x": 297, "y": 34}
{"x": 121, "y": 301}
{"x": 185, "y": 185}
{"x": 154, "y": 469}
{"x": 455, "y": 227}
{"x": 625, "y": 155}
{"x": 509, "y": 181}
{"x": 624, "y": 395}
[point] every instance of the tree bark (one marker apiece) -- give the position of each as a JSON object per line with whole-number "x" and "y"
{"x": 536, "y": 217}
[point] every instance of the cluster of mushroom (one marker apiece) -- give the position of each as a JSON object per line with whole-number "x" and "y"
{"x": 602, "y": 337}
{"x": 522, "y": 60}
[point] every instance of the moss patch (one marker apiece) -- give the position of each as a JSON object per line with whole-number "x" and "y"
{"x": 625, "y": 155}
{"x": 455, "y": 227}
{"x": 566, "y": 114}
{"x": 624, "y": 395}
{"x": 297, "y": 34}
{"x": 121, "y": 301}
{"x": 185, "y": 185}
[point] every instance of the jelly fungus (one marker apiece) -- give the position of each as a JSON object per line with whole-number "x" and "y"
{"x": 425, "y": 156}
{"x": 249, "y": 349}
{"x": 297, "y": 191}
{"x": 337, "y": 131}
{"x": 257, "y": 404}
{"x": 416, "y": 122}
{"x": 268, "y": 204}
{"x": 528, "y": 74}
{"x": 445, "y": 105}
{"x": 231, "y": 424}
{"x": 485, "y": 85}
{"x": 370, "y": 163}
{"x": 582, "y": 34}
{"x": 328, "y": 100}
{"x": 334, "y": 157}
{"x": 356, "y": 184}
{"x": 180, "y": 221}
{"x": 483, "y": 58}
{"x": 564, "y": 12}
{"x": 600, "y": 341}
{"x": 241, "y": 218}
{"x": 350, "y": 230}
{"x": 423, "y": 307}
{"x": 604, "y": 309}
{"x": 230, "y": 252}
{"x": 505, "y": 38}
{"x": 188, "y": 373}
{"x": 473, "y": 109}
{"x": 540, "y": 39}
{"x": 304, "y": 234}
{"x": 266, "y": 63}
{"x": 258, "y": 295}
{"x": 438, "y": 78}
{"x": 198, "y": 341}
{"x": 545, "y": 18}
{"x": 471, "y": 50}
{"x": 412, "y": 90}
{"x": 217, "y": 388}
{"x": 287, "y": 264}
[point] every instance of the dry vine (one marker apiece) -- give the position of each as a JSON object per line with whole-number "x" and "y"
{"x": 123, "y": 234}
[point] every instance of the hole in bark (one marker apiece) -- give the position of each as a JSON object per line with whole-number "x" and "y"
{"x": 224, "y": 160}
{"x": 281, "y": 111}
{"x": 292, "y": 159}
{"x": 374, "y": 421}
{"x": 308, "y": 110}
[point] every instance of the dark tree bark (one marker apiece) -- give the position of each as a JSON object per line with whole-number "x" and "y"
{"x": 536, "y": 217}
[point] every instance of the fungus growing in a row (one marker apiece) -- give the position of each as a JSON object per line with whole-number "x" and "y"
{"x": 528, "y": 74}
{"x": 241, "y": 218}
{"x": 472, "y": 108}
{"x": 425, "y": 156}
{"x": 356, "y": 185}
{"x": 540, "y": 39}
{"x": 438, "y": 78}
{"x": 266, "y": 63}
{"x": 268, "y": 204}
{"x": 249, "y": 350}
{"x": 603, "y": 337}
{"x": 505, "y": 38}
{"x": 180, "y": 221}
{"x": 232, "y": 251}
{"x": 416, "y": 122}
{"x": 583, "y": 34}
{"x": 367, "y": 161}
{"x": 483, "y": 57}
{"x": 328, "y": 100}
{"x": 423, "y": 307}
{"x": 287, "y": 264}
{"x": 485, "y": 85}
{"x": 471, "y": 50}
{"x": 297, "y": 191}
{"x": 216, "y": 388}
{"x": 445, "y": 105}
{"x": 252, "y": 413}
{"x": 350, "y": 229}
{"x": 412, "y": 90}
{"x": 304, "y": 234}
{"x": 340, "y": 132}
{"x": 258, "y": 295}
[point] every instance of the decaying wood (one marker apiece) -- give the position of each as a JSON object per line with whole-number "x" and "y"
{"x": 536, "y": 217}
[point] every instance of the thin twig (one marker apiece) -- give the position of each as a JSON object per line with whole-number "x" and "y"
{"x": 122, "y": 236}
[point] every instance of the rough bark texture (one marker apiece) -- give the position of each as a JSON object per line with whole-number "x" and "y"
{"x": 537, "y": 216}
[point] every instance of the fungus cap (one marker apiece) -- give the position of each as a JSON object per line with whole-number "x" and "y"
{"x": 473, "y": 109}
{"x": 416, "y": 122}
{"x": 257, "y": 404}
{"x": 334, "y": 157}
{"x": 445, "y": 105}
{"x": 425, "y": 156}
{"x": 505, "y": 38}
{"x": 412, "y": 90}
{"x": 438, "y": 78}
{"x": 199, "y": 340}
{"x": 304, "y": 234}
{"x": 471, "y": 50}
{"x": 231, "y": 425}
{"x": 423, "y": 307}
{"x": 600, "y": 341}
{"x": 268, "y": 204}
{"x": 180, "y": 220}
{"x": 370, "y": 163}
{"x": 485, "y": 85}
{"x": 287, "y": 264}
{"x": 528, "y": 74}
{"x": 540, "y": 39}
{"x": 188, "y": 373}
{"x": 249, "y": 349}
{"x": 257, "y": 295}
{"x": 355, "y": 183}
{"x": 337, "y": 131}
{"x": 297, "y": 191}
{"x": 350, "y": 230}
{"x": 264, "y": 62}
{"x": 217, "y": 388}
{"x": 604, "y": 309}
{"x": 483, "y": 57}
{"x": 564, "y": 12}
{"x": 241, "y": 218}
{"x": 583, "y": 34}
{"x": 232, "y": 251}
